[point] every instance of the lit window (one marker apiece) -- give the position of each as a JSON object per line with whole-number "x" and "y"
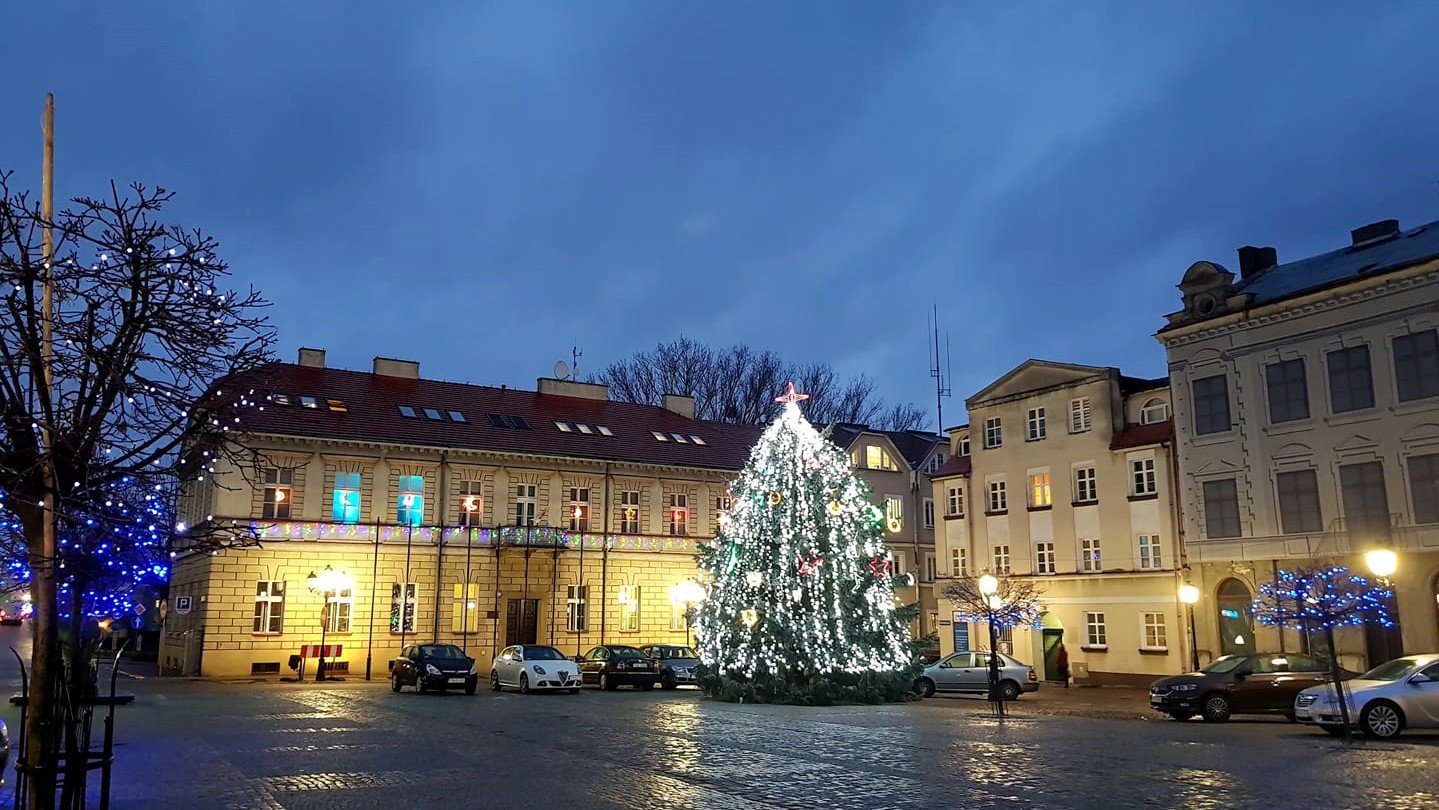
{"x": 433, "y": 415}
{"x": 894, "y": 514}
{"x": 309, "y": 402}
{"x": 403, "y": 599}
{"x": 564, "y": 427}
{"x": 339, "y": 607}
{"x": 472, "y": 504}
{"x": 410, "y": 505}
{"x": 629, "y": 511}
{"x": 679, "y": 512}
{"x": 465, "y": 608}
{"x": 1155, "y": 635}
{"x": 579, "y": 511}
{"x": 1089, "y": 555}
{"x": 337, "y": 406}
{"x": 629, "y": 600}
{"x": 1039, "y": 494}
{"x": 1149, "y": 554}
{"x": 269, "y": 607}
{"x": 1036, "y": 425}
{"x": 697, "y": 440}
{"x": 345, "y": 505}
{"x": 659, "y": 436}
{"x": 408, "y": 412}
{"x": 577, "y": 619}
{"x": 279, "y": 493}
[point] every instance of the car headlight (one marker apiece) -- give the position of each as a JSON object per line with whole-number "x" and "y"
{"x": 474, "y": 669}
{"x": 432, "y": 669}
{"x": 1185, "y": 687}
{"x": 539, "y": 670}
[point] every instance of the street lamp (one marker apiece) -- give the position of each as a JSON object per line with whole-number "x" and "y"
{"x": 1188, "y": 594}
{"x": 328, "y": 583}
{"x": 1382, "y": 562}
{"x": 687, "y": 593}
{"x": 989, "y": 589}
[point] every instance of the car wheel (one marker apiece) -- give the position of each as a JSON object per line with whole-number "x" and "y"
{"x": 1009, "y": 690}
{"x": 924, "y": 687}
{"x": 1181, "y": 716}
{"x": 1216, "y": 709}
{"x": 1291, "y": 717}
{"x": 1381, "y": 720}
{"x": 606, "y": 683}
{"x": 667, "y": 680}
{"x": 420, "y": 687}
{"x": 524, "y": 684}
{"x": 471, "y": 686}
{"x": 494, "y": 681}
{"x": 575, "y": 691}
{"x": 394, "y": 681}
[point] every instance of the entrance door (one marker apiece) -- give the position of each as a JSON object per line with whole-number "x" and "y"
{"x": 1052, "y": 640}
{"x": 522, "y": 621}
{"x": 1382, "y": 643}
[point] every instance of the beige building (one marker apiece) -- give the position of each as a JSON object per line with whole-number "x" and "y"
{"x": 896, "y": 465}
{"x": 458, "y": 513}
{"x": 1065, "y": 476}
{"x": 1307, "y": 413}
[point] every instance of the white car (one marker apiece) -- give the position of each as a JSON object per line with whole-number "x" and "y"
{"x": 528, "y": 667}
{"x": 1400, "y": 694}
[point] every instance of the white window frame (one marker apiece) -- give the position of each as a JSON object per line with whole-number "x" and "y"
{"x": 527, "y": 504}
{"x": 893, "y": 514}
{"x": 1154, "y": 559}
{"x": 993, "y": 433}
{"x": 1153, "y": 414}
{"x": 339, "y": 610}
{"x": 999, "y": 558}
{"x": 471, "y": 518}
{"x": 410, "y": 502}
{"x": 1096, "y": 635}
{"x": 931, "y": 568}
{"x": 677, "y": 509}
{"x": 1035, "y": 425}
{"x": 577, "y": 608}
{"x": 278, "y": 481}
{"x": 1153, "y": 632}
{"x": 270, "y": 621}
{"x": 1091, "y": 559}
{"x": 958, "y": 562}
{"x": 1143, "y": 477}
{"x": 629, "y": 601}
{"x": 998, "y": 497}
{"x": 1041, "y": 493}
{"x": 629, "y": 500}
{"x": 1045, "y": 558}
{"x": 1086, "y": 485}
{"x": 964, "y": 445}
{"x": 1081, "y": 415}
{"x": 928, "y": 507}
{"x": 406, "y": 597}
{"x": 955, "y": 503}
{"x": 579, "y": 499}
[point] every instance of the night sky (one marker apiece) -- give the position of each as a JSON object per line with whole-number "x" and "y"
{"x": 478, "y": 186}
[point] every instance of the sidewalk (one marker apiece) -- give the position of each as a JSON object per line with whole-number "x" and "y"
{"x": 1108, "y": 702}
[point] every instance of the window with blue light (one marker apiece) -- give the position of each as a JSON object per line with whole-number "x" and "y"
{"x": 346, "y": 504}
{"x": 411, "y": 503}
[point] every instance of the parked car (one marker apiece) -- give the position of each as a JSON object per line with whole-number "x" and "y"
{"x": 534, "y": 666}
{"x": 676, "y": 661}
{"x": 433, "y": 666}
{"x": 1397, "y": 695}
{"x": 969, "y": 672}
{"x": 610, "y": 665}
{"x": 1257, "y": 683}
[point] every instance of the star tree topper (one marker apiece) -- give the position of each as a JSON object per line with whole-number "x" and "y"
{"x": 791, "y": 396}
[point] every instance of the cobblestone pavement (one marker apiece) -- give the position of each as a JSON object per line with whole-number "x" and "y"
{"x": 188, "y": 744}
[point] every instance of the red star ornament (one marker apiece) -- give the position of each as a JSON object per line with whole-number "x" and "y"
{"x": 809, "y": 567}
{"x": 880, "y": 567}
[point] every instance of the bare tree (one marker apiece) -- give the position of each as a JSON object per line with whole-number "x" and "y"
{"x": 1013, "y": 603}
{"x": 142, "y": 328}
{"x": 738, "y": 385}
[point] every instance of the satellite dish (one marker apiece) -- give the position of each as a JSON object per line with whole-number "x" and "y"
{"x": 562, "y": 370}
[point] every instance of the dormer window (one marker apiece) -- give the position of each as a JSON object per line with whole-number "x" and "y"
{"x": 1154, "y": 411}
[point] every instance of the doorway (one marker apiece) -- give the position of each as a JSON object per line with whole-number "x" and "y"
{"x": 521, "y": 621}
{"x": 1051, "y": 639}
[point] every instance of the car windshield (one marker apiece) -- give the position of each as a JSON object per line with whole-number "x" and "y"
{"x": 626, "y": 652}
{"x": 1228, "y": 663}
{"x": 676, "y": 652}
{"x": 543, "y": 654}
{"x": 1390, "y": 671}
{"x": 441, "y": 651}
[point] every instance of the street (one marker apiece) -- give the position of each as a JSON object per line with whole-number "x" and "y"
{"x": 354, "y": 744}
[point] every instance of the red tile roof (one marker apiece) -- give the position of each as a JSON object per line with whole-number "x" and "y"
{"x": 1143, "y": 435}
{"x": 956, "y": 465}
{"x": 372, "y": 402}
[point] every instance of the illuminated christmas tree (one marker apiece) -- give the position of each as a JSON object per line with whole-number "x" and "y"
{"x": 801, "y": 603}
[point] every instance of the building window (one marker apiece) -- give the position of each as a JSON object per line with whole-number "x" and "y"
{"x": 346, "y": 502}
{"x": 1035, "y": 423}
{"x": 1366, "y": 504}
{"x": 465, "y": 608}
{"x": 1081, "y": 415}
{"x": 723, "y": 504}
{"x": 404, "y": 597}
{"x": 1150, "y": 557}
{"x": 1044, "y": 558}
{"x": 527, "y": 503}
{"x": 1039, "y": 494}
{"x": 1234, "y": 601}
{"x": 1089, "y": 555}
{"x": 1424, "y": 484}
{"x": 269, "y": 607}
{"x": 1416, "y": 365}
{"x": 958, "y": 563}
{"x": 472, "y": 504}
{"x": 1221, "y": 508}
{"x": 1288, "y": 391}
{"x": 630, "y": 511}
{"x": 964, "y": 445}
{"x": 1299, "y": 502}
{"x": 1086, "y": 485}
{"x": 629, "y": 608}
{"x": 1155, "y": 637}
{"x": 931, "y": 568}
{"x": 1144, "y": 483}
{"x": 956, "y": 502}
{"x": 279, "y": 492}
{"x": 678, "y": 619}
{"x": 1001, "y": 559}
{"x": 998, "y": 500}
{"x": 1154, "y": 411}
{"x": 410, "y": 505}
{"x": 877, "y": 458}
{"x": 928, "y": 505}
{"x": 577, "y": 613}
{"x": 1094, "y": 632}
{"x": 579, "y": 511}
{"x": 339, "y": 607}
{"x": 1211, "y": 404}
{"x": 993, "y": 433}
{"x": 679, "y": 511}
{"x": 894, "y": 514}
{"x": 1351, "y": 380}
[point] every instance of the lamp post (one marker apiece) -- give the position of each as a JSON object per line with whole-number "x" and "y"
{"x": 328, "y": 584}
{"x": 1382, "y": 563}
{"x": 1189, "y": 595}
{"x": 687, "y": 593}
{"x": 989, "y": 589}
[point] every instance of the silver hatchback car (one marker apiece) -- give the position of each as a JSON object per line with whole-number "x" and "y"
{"x": 969, "y": 672}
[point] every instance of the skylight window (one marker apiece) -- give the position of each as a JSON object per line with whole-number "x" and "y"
{"x": 309, "y": 402}
{"x": 506, "y": 421}
{"x": 337, "y": 406}
{"x": 697, "y": 440}
{"x": 433, "y": 415}
{"x": 456, "y": 416}
{"x": 519, "y": 422}
{"x": 408, "y": 412}
{"x": 496, "y": 420}
{"x": 584, "y": 428}
{"x": 659, "y": 436}
{"x": 679, "y": 438}
{"x": 604, "y": 431}
{"x": 564, "y": 427}
{"x": 280, "y": 399}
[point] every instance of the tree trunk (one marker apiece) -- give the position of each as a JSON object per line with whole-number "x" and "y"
{"x": 1338, "y": 684}
{"x": 42, "y": 734}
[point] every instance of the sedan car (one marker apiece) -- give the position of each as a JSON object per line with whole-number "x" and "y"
{"x": 1400, "y": 694}
{"x": 534, "y": 666}
{"x": 1258, "y": 683}
{"x": 677, "y": 663}
{"x": 433, "y": 666}
{"x": 610, "y": 665}
{"x": 969, "y": 672}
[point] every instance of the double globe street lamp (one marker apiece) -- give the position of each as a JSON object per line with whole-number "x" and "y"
{"x": 1189, "y": 595}
{"x": 329, "y": 583}
{"x": 685, "y": 596}
{"x": 989, "y": 590}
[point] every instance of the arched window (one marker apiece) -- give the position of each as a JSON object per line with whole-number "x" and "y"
{"x": 1155, "y": 410}
{"x": 1236, "y": 623}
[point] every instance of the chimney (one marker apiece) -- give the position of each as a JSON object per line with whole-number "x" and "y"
{"x": 312, "y": 358}
{"x": 1255, "y": 260}
{"x": 1375, "y": 232}
{"x": 684, "y": 406}
{"x": 571, "y": 388}
{"x": 409, "y": 369}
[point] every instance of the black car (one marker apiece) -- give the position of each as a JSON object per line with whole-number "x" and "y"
{"x": 676, "y": 663}
{"x": 610, "y": 665}
{"x": 1258, "y": 683}
{"x": 433, "y": 666}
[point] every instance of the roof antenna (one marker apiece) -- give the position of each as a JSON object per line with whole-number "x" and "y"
{"x": 937, "y": 372}
{"x": 575, "y": 355}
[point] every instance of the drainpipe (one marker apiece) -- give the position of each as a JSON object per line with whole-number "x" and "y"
{"x": 604, "y": 558}
{"x": 443, "y": 497}
{"x": 1181, "y": 551}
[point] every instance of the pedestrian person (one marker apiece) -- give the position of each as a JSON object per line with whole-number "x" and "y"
{"x": 1061, "y": 662}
